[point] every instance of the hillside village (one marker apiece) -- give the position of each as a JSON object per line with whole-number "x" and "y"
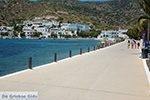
{"x": 58, "y": 19}
{"x": 98, "y": 15}
{"x": 42, "y": 28}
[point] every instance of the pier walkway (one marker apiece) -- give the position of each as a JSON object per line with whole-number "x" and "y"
{"x": 113, "y": 73}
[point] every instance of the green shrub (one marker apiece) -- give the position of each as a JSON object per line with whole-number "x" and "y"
{"x": 4, "y": 33}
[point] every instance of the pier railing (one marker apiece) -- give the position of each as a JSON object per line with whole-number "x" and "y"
{"x": 96, "y": 47}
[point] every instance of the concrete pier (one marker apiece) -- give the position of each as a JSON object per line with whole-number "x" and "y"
{"x": 111, "y": 73}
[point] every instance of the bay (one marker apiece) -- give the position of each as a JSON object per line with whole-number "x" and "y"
{"x": 14, "y": 54}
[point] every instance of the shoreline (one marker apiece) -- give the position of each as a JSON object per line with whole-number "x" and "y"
{"x": 51, "y": 50}
{"x": 40, "y": 66}
{"x": 62, "y": 60}
{"x": 51, "y": 38}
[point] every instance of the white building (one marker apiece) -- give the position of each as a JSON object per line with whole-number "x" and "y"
{"x": 28, "y": 34}
{"x": 27, "y": 23}
{"x": 37, "y": 24}
{"x": 10, "y": 28}
{"x": 57, "y": 31}
{"x": 50, "y": 24}
{"x": 64, "y": 26}
{"x": 45, "y": 35}
{"x": 40, "y": 25}
{"x": 83, "y": 27}
{"x": 68, "y": 26}
{"x": 41, "y": 29}
{"x": 44, "y": 30}
{"x": 111, "y": 35}
{"x": 28, "y": 31}
{"x": 108, "y": 35}
{"x": 60, "y": 31}
{"x": 6, "y": 28}
{"x": 122, "y": 33}
{"x": 72, "y": 27}
{"x": 68, "y": 33}
{"x": 27, "y": 28}
{"x": 55, "y": 23}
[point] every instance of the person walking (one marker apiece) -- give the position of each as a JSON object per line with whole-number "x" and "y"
{"x": 138, "y": 44}
{"x": 135, "y": 43}
{"x": 132, "y": 43}
{"x": 128, "y": 43}
{"x": 100, "y": 43}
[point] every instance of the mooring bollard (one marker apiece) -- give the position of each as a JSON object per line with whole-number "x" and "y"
{"x": 55, "y": 57}
{"x": 70, "y": 54}
{"x": 80, "y": 51}
{"x": 94, "y": 48}
{"x": 88, "y": 49}
{"x": 30, "y": 63}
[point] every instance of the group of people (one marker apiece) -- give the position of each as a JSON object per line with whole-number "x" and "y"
{"x": 133, "y": 43}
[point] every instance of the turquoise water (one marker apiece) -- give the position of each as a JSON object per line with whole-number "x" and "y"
{"x": 14, "y": 54}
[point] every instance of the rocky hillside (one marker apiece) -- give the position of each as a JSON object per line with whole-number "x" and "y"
{"x": 99, "y": 15}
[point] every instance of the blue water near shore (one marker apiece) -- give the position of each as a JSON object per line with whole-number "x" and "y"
{"x": 14, "y": 54}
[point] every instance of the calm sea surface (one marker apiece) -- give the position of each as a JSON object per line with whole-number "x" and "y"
{"x": 14, "y": 54}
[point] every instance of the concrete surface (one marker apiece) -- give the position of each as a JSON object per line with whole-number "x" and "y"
{"x": 114, "y": 73}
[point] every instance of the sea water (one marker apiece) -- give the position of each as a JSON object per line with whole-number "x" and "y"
{"x": 15, "y": 53}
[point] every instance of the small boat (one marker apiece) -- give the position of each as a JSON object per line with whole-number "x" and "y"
{"x": 78, "y": 44}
